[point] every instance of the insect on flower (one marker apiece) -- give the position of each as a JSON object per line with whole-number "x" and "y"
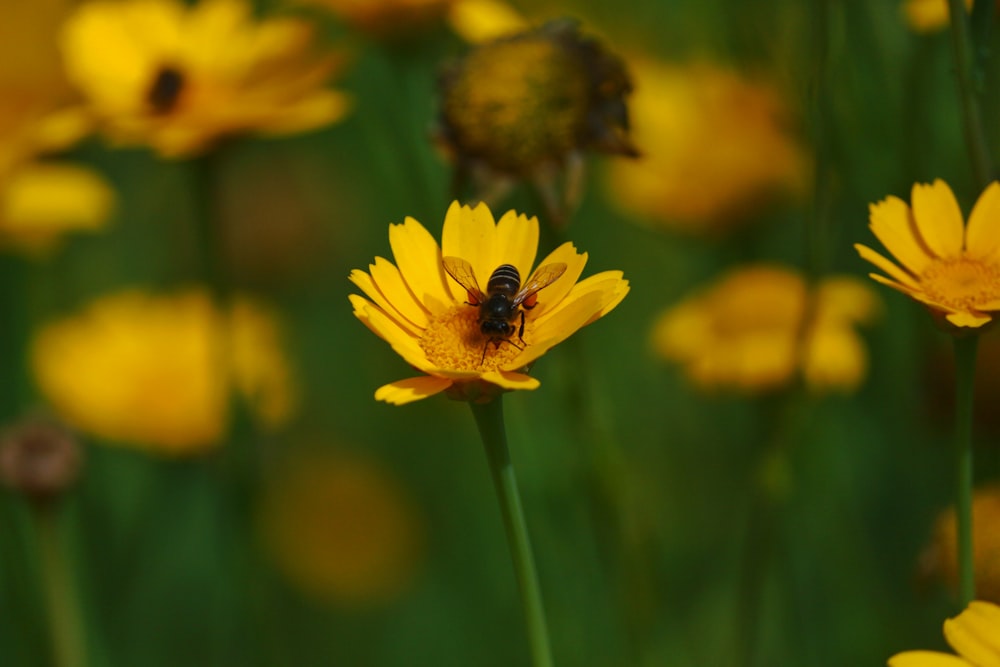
{"x": 505, "y": 298}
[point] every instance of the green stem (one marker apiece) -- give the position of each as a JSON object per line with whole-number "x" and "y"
{"x": 489, "y": 419}
{"x": 965, "y": 368}
{"x": 60, "y": 597}
{"x": 972, "y": 124}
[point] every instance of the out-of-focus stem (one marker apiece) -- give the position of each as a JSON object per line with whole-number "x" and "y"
{"x": 965, "y": 368}
{"x": 972, "y": 123}
{"x": 60, "y": 595}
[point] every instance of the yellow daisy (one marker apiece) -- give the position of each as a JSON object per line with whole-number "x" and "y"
{"x": 174, "y": 359}
{"x": 175, "y": 77}
{"x": 974, "y": 634}
{"x": 951, "y": 267}
{"x": 425, "y": 314}
{"x": 760, "y": 326}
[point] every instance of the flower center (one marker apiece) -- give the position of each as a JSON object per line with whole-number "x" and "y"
{"x": 165, "y": 90}
{"x": 962, "y": 283}
{"x": 454, "y": 341}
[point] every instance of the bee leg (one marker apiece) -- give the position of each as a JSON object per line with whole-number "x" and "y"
{"x": 520, "y": 332}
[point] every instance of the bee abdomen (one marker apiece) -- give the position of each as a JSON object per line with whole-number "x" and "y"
{"x": 504, "y": 278}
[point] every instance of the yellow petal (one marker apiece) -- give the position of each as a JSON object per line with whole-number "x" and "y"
{"x": 419, "y": 260}
{"x": 881, "y": 262}
{"x": 308, "y": 113}
{"x": 482, "y": 20}
{"x": 372, "y": 291}
{"x": 517, "y": 241}
{"x": 511, "y": 380}
{"x": 390, "y": 283}
{"x": 469, "y": 233}
{"x": 971, "y": 321}
{"x": 938, "y": 218}
{"x": 982, "y": 235}
{"x": 390, "y": 331}
{"x": 43, "y": 200}
{"x": 405, "y": 391}
{"x": 558, "y": 326}
{"x": 927, "y": 659}
{"x": 975, "y": 633}
{"x": 892, "y": 222}
{"x": 613, "y": 286}
{"x": 551, "y": 296}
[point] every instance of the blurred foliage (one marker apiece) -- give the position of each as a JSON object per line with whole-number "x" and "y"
{"x": 671, "y": 527}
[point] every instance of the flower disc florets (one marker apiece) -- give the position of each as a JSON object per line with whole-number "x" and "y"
{"x": 425, "y": 314}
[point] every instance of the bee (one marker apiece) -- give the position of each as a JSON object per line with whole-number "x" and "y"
{"x": 505, "y": 297}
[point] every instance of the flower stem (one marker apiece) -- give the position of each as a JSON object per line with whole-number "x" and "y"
{"x": 489, "y": 419}
{"x": 972, "y": 124}
{"x": 64, "y": 620}
{"x": 965, "y": 368}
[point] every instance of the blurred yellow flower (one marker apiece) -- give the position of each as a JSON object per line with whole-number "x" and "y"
{"x": 759, "y": 326}
{"x": 150, "y": 371}
{"x": 178, "y": 78}
{"x": 939, "y": 559}
{"x": 950, "y": 267}
{"x": 715, "y": 147}
{"x": 341, "y": 528}
{"x": 974, "y": 634}
{"x": 425, "y": 315}
{"x": 527, "y": 106}
{"x": 928, "y": 15}
{"x": 39, "y": 198}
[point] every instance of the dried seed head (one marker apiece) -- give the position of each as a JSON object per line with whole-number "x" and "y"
{"x": 523, "y": 104}
{"x": 39, "y": 459}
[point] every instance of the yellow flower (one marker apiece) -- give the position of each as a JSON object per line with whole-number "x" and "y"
{"x": 950, "y": 267}
{"x": 716, "y": 146}
{"x": 425, "y": 315}
{"x": 40, "y": 198}
{"x": 758, "y": 326}
{"x": 928, "y": 15}
{"x": 939, "y": 559}
{"x": 974, "y": 634}
{"x": 178, "y": 78}
{"x": 340, "y": 528}
{"x": 150, "y": 371}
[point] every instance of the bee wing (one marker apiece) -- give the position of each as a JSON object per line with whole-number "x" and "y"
{"x": 461, "y": 271}
{"x": 541, "y": 278}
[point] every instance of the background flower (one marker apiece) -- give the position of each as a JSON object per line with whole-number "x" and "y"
{"x": 41, "y": 197}
{"x": 704, "y": 130}
{"x": 758, "y": 327}
{"x": 150, "y": 371}
{"x": 177, "y": 78}
{"x": 341, "y": 528}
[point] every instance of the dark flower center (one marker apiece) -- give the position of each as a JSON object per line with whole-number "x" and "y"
{"x": 166, "y": 89}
